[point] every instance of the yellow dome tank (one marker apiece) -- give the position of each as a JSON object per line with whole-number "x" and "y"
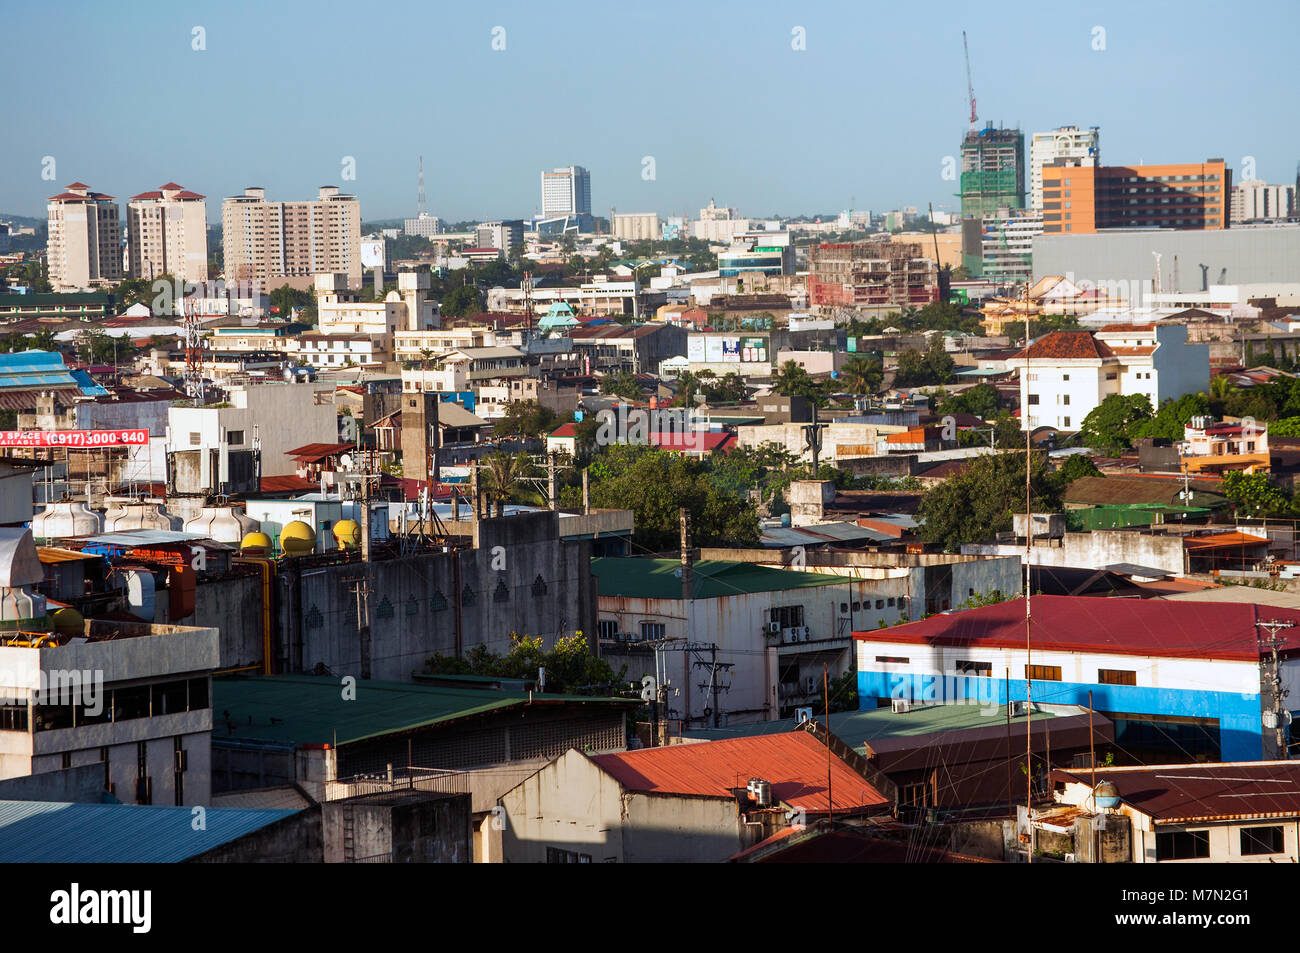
{"x": 348, "y": 534}
{"x": 255, "y": 544}
{"x": 66, "y": 620}
{"x": 297, "y": 538}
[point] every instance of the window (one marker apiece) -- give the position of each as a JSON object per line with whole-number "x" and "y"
{"x": 1043, "y": 673}
{"x": 1116, "y": 676}
{"x": 1183, "y": 845}
{"x": 195, "y": 439}
{"x": 892, "y": 659}
{"x": 652, "y": 630}
{"x": 974, "y": 668}
{"x": 555, "y": 855}
{"x": 1065, "y": 377}
{"x": 1065, "y": 399}
{"x": 607, "y": 628}
{"x": 235, "y": 438}
{"x": 1065, "y": 421}
{"x": 787, "y": 616}
{"x": 880, "y": 603}
{"x": 1033, "y": 398}
{"x": 1261, "y": 840}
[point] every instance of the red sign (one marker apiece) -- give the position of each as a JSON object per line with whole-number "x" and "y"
{"x": 76, "y": 439}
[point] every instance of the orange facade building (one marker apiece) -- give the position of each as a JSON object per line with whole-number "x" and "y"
{"x": 1082, "y": 200}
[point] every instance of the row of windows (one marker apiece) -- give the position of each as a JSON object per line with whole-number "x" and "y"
{"x": 1195, "y": 845}
{"x": 1038, "y": 673}
{"x": 116, "y": 704}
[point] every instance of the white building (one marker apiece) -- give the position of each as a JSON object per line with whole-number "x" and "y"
{"x": 635, "y": 226}
{"x": 167, "y": 234}
{"x": 566, "y": 191}
{"x": 273, "y": 240}
{"x": 84, "y": 247}
{"x": 1065, "y": 375}
{"x": 340, "y": 311}
{"x": 425, "y": 225}
{"x": 1067, "y": 142}
{"x": 1254, "y": 201}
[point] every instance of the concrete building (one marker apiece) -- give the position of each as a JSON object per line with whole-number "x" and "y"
{"x": 757, "y": 253}
{"x": 1123, "y": 261}
{"x": 1257, "y": 201}
{"x": 635, "y": 226}
{"x": 1190, "y": 684}
{"x": 1081, "y": 198}
{"x": 84, "y": 247}
{"x": 1007, "y": 244}
{"x": 505, "y": 235}
{"x": 341, "y": 311}
{"x": 275, "y": 417}
{"x": 992, "y": 171}
{"x": 566, "y": 193}
{"x": 683, "y": 803}
{"x": 424, "y": 225}
{"x": 270, "y": 241}
{"x": 870, "y": 274}
{"x": 1065, "y": 375}
{"x": 167, "y": 234}
{"x": 1064, "y": 142}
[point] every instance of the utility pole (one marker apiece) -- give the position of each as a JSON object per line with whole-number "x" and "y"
{"x": 1271, "y": 644}
{"x": 552, "y": 494}
{"x": 361, "y": 590}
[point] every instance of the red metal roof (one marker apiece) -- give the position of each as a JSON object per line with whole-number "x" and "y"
{"x": 793, "y": 762}
{"x": 1089, "y": 625}
{"x": 1067, "y": 345}
{"x": 314, "y": 452}
{"x": 1188, "y": 793}
{"x": 568, "y": 430}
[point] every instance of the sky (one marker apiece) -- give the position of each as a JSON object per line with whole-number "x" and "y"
{"x": 719, "y": 95}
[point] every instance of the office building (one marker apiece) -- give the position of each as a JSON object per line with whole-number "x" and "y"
{"x": 507, "y": 236}
{"x": 85, "y": 239}
{"x": 1008, "y": 244}
{"x": 274, "y": 240}
{"x": 1256, "y": 201}
{"x": 566, "y": 191}
{"x": 766, "y": 253}
{"x": 425, "y": 225}
{"x": 167, "y": 234}
{"x": 1066, "y": 142}
{"x": 1082, "y": 199}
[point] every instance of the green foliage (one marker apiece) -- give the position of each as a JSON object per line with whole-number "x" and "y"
{"x": 463, "y": 301}
{"x": 792, "y": 380}
{"x": 655, "y": 484}
{"x": 1286, "y": 427}
{"x": 571, "y": 667}
{"x": 730, "y": 388}
{"x": 862, "y": 375}
{"x": 1075, "y": 467}
{"x": 984, "y": 599}
{"x": 286, "y": 298}
{"x": 1045, "y": 324}
{"x": 1253, "y": 495}
{"x": 977, "y": 504}
{"x": 1169, "y": 421}
{"x": 1116, "y": 422}
{"x": 981, "y": 400}
{"x": 916, "y": 369}
{"x": 526, "y": 418}
{"x": 621, "y": 384}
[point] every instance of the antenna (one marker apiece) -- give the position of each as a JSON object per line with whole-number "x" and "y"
{"x": 419, "y": 198}
{"x": 193, "y": 352}
{"x": 970, "y": 88}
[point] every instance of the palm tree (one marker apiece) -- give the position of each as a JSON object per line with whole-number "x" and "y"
{"x": 504, "y": 473}
{"x": 861, "y": 375}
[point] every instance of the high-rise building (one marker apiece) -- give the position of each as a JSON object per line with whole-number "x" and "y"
{"x": 84, "y": 247}
{"x": 264, "y": 240}
{"x": 424, "y": 225}
{"x": 566, "y": 192}
{"x": 992, "y": 171}
{"x": 1082, "y": 199}
{"x": 1256, "y": 201}
{"x": 167, "y": 234}
{"x": 1065, "y": 142}
{"x": 507, "y": 236}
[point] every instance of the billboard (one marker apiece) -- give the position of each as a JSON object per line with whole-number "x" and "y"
{"x": 74, "y": 439}
{"x": 725, "y": 349}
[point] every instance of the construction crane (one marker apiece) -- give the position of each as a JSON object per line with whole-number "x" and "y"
{"x": 970, "y": 87}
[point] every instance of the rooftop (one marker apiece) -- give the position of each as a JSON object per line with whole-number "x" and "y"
{"x": 795, "y": 764}
{"x": 637, "y": 578}
{"x": 1147, "y": 627}
{"x": 1066, "y": 345}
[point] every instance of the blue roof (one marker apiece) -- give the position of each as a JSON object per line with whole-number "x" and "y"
{"x": 44, "y": 369}
{"x": 34, "y": 832}
{"x": 88, "y": 387}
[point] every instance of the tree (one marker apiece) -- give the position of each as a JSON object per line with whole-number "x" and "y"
{"x": 1075, "y": 467}
{"x": 621, "y": 384}
{"x": 463, "y": 301}
{"x": 286, "y": 298}
{"x": 1116, "y": 422}
{"x": 504, "y": 473}
{"x": 525, "y": 418}
{"x": 934, "y": 366}
{"x": 570, "y": 666}
{"x": 977, "y": 504}
{"x": 1253, "y": 495}
{"x": 981, "y": 400}
{"x": 862, "y": 375}
{"x": 729, "y": 388}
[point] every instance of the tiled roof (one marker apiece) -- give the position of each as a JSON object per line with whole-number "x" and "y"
{"x": 794, "y": 763}
{"x": 1066, "y": 345}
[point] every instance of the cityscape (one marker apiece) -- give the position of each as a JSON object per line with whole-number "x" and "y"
{"x": 629, "y": 522}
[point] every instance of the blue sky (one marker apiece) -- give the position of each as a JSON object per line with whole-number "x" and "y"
{"x": 712, "y": 90}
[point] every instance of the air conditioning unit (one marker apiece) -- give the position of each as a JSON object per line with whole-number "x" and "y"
{"x": 810, "y": 684}
{"x": 900, "y": 705}
{"x": 801, "y": 715}
{"x": 620, "y": 636}
{"x": 792, "y": 634}
{"x": 802, "y": 631}
{"x": 774, "y": 628}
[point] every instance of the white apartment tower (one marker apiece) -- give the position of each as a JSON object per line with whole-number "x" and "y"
{"x": 167, "y": 234}
{"x": 566, "y": 192}
{"x": 272, "y": 240}
{"x": 85, "y": 239}
{"x": 1067, "y": 142}
{"x": 1256, "y": 201}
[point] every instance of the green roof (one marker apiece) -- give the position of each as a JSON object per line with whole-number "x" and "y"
{"x": 859, "y": 728}
{"x": 43, "y": 298}
{"x": 658, "y": 578}
{"x": 311, "y": 710}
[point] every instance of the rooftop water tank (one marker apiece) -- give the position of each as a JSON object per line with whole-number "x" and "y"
{"x": 297, "y": 538}
{"x": 1105, "y": 795}
{"x": 137, "y": 514}
{"x": 64, "y": 519}
{"x": 348, "y": 534}
{"x": 225, "y": 523}
{"x": 255, "y": 544}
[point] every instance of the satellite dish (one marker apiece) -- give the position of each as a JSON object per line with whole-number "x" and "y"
{"x": 345, "y": 461}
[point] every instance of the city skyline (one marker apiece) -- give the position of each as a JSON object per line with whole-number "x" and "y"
{"x": 789, "y": 152}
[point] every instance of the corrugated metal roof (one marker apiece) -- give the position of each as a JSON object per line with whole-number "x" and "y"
{"x": 794, "y": 763}
{"x": 306, "y": 709}
{"x": 34, "y": 832}
{"x": 142, "y": 537}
